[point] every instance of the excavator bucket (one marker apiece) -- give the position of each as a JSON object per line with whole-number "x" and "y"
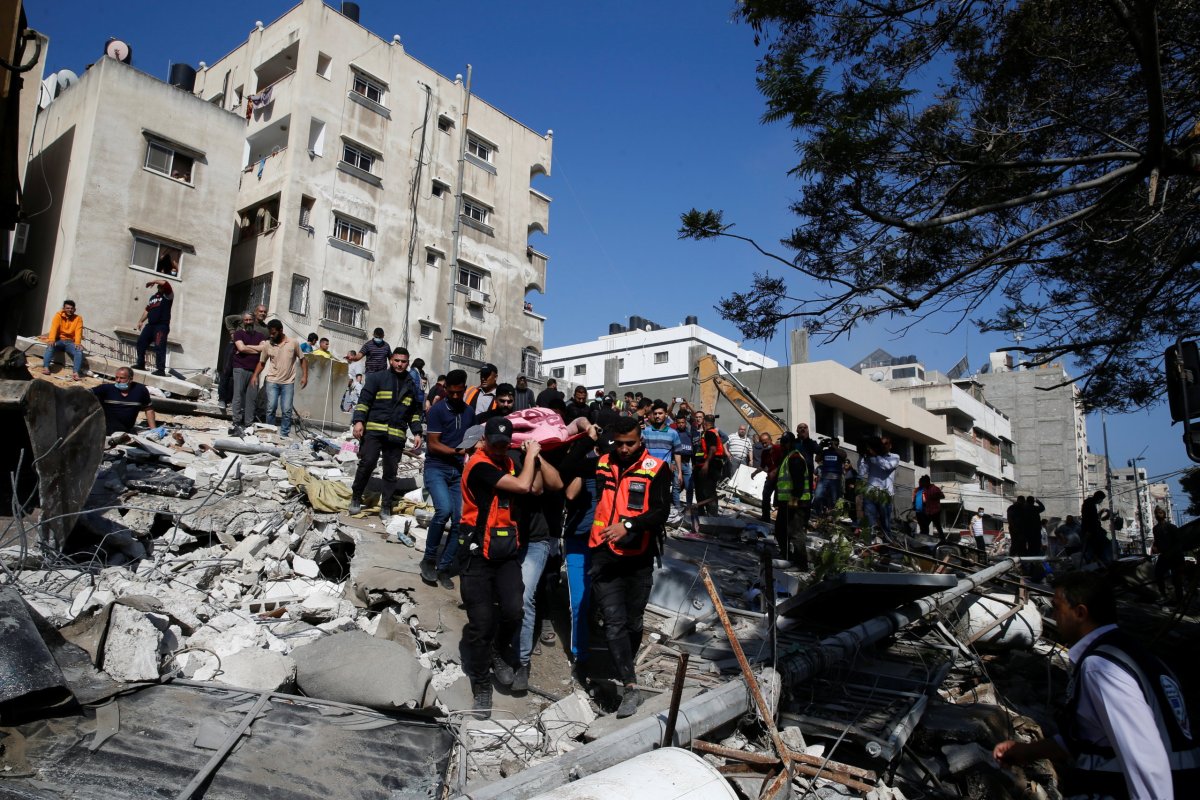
{"x": 52, "y": 445}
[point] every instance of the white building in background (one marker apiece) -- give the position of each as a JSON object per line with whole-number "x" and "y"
{"x": 645, "y": 352}
{"x": 375, "y": 192}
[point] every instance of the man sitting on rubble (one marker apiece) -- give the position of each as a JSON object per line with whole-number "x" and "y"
{"x": 489, "y": 546}
{"x": 387, "y": 409}
{"x": 122, "y": 400}
{"x": 635, "y": 498}
{"x": 66, "y": 334}
{"x": 1125, "y": 714}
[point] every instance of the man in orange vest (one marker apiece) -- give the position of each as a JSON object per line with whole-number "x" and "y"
{"x": 635, "y": 498}
{"x": 489, "y": 545}
{"x": 483, "y": 397}
{"x": 711, "y": 468}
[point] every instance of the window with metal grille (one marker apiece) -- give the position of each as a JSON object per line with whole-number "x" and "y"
{"x": 466, "y": 346}
{"x": 298, "y": 304}
{"x": 531, "y": 363}
{"x": 426, "y": 330}
{"x": 344, "y": 311}
{"x": 558, "y": 372}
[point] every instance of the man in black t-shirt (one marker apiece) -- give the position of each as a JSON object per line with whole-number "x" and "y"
{"x": 122, "y": 400}
{"x": 155, "y": 325}
{"x": 549, "y": 394}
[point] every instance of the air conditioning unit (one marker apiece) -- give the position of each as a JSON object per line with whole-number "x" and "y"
{"x": 477, "y": 297}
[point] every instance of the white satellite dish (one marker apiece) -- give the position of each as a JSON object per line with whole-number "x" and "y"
{"x": 65, "y": 78}
{"x": 877, "y": 376}
{"x": 54, "y": 85}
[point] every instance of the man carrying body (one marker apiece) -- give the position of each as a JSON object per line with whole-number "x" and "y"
{"x": 489, "y": 545}
{"x": 386, "y": 411}
{"x": 483, "y": 397}
{"x": 1124, "y": 731}
{"x": 66, "y": 334}
{"x": 502, "y": 405}
{"x": 740, "y": 446}
{"x": 635, "y": 498}
{"x": 279, "y": 355}
{"x": 375, "y": 353}
{"x": 247, "y": 344}
{"x": 157, "y": 320}
{"x": 578, "y": 407}
{"x": 446, "y": 423}
{"x": 121, "y": 401}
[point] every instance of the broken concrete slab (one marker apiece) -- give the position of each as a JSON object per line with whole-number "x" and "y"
{"x": 566, "y": 720}
{"x": 355, "y": 667}
{"x": 264, "y": 670}
{"x": 131, "y": 646}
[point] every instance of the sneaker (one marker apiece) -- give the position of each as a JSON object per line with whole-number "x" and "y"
{"x": 444, "y": 580}
{"x": 630, "y": 700}
{"x": 161, "y": 373}
{"x": 355, "y": 506}
{"x": 481, "y": 700}
{"x": 503, "y": 672}
{"x": 385, "y": 508}
{"x": 235, "y": 431}
{"x": 521, "y": 679}
{"x": 428, "y": 573}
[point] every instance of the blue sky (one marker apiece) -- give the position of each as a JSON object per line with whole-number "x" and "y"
{"x": 654, "y": 110}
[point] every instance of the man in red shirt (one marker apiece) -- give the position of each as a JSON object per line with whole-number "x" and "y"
{"x": 768, "y": 461}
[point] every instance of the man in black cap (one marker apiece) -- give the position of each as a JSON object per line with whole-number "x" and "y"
{"x": 483, "y": 397}
{"x": 489, "y": 548}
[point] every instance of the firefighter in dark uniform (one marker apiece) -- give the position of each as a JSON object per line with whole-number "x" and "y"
{"x": 635, "y": 498}
{"x": 711, "y": 467}
{"x": 793, "y": 501}
{"x": 386, "y": 411}
{"x": 489, "y": 544}
{"x": 1125, "y": 731}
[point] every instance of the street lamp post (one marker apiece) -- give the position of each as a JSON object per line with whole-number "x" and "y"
{"x": 1137, "y": 493}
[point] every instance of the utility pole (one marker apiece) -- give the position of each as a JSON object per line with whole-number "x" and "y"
{"x": 1137, "y": 493}
{"x": 1112, "y": 511}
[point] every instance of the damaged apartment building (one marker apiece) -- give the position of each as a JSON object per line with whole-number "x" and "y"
{"x": 318, "y": 169}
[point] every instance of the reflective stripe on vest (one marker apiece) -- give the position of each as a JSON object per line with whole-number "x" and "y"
{"x": 497, "y": 538}
{"x": 783, "y": 482}
{"x": 624, "y": 495}
{"x": 719, "y": 451}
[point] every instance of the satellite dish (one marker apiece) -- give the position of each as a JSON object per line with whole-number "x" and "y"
{"x": 54, "y": 85}
{"x": 115, "y": 48}
{"x": 65, "y": 78}
{"x": 877, "y": 376}
{"x": 648, "y": 329}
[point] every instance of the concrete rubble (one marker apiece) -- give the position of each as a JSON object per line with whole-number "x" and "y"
{"x": 204, "y": 558}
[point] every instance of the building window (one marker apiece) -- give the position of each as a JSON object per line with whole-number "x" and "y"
{"x": 357, "y": 157}
{"x": 620, "y": 363}
{"x": 365, "y": 87}
{"x": 426, "y": 331}
{"x": 470, "y": 277}
{"x": 324, "y": 66}
{"x": 661, "y": 357}
{"x": 433, "y": 258}
{"x": 531, "y": 363}
{"x": 439, "y": 188}
{"x": 306, "y": 209}
{"x": 260, "y": 292}
{"x": 475, "y": 311}
{"x": 344, "y": 311}
{"x": 479, "y": 148}
{"x": 558, "y": 372}
{"x": 316, "y": 138}
{"x": 168, "y": 161}
{"x": 580, "y": 369}
{"x": 354, "y": 233}
{"x": 476, "y": 211}
{"x": 155, "y": 256}
{"x": 299, "y": 300}
{"x": 470, "y": 347}
{"x": 728, "y": 365}
{"x": 445, "y": 124}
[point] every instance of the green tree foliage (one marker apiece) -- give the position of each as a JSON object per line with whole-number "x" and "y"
{"x": 1031, "y": 166}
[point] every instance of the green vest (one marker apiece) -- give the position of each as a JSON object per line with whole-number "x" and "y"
{"x": 784, "y": 485}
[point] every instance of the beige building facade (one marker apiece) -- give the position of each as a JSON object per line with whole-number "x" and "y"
{"x": 375, "y": 192}
{"x": 131, "y": 180}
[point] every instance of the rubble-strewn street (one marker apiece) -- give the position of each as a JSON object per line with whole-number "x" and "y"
{"x": 217, "y": 625}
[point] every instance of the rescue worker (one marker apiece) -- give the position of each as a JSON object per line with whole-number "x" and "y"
{"x": 489, "y": 548}
{"x": 1125, "y": 731}
{"x": 711, "y": 468}
{"x": 793, "y": 499}
{"x": 483, "y": 397}
{"x": 386, "y": 411}
{"x": 634, "y": 499}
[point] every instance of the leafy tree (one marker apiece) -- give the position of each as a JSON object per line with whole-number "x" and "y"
{"x": 1032, "y": 166}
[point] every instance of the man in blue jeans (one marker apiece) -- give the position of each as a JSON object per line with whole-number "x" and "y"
{"x": 280, "y": 355}
{"x": 445, "y": 424}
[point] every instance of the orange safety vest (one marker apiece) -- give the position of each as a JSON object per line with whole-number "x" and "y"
{"x": 719, "y": 452}
{"x": 497, "y": 537}
{"x": 473, "y": 392}
{"x": 624, "y": 495}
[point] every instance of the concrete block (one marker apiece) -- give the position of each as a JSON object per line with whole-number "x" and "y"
{"x": 305, "y": 566}
{"x": 566, "y": 720}
{"x": 264, "y": 670}
{"x": 249, "y": 547}
{"x": 354, "y": 667}
{"x": 131, "y": 646}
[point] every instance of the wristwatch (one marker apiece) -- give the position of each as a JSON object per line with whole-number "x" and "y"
{"x": 628, "y": 525}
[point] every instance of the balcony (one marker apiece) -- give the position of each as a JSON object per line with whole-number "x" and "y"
{"x": 539, "y": 211}
{"x": 278, "y": 103}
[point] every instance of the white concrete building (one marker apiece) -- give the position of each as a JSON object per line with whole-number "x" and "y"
{"x": 131, "y": 179}
{"x": 375, "y": 192}
{"x": 645, "y": 352}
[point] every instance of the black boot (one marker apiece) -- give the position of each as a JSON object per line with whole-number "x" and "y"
{"x": 481, "y": 700}
{"x": 631, "y": 698}
{"x": 385, "y": 508}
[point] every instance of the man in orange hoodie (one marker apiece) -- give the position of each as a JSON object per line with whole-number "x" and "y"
{"x": 66, "y": 333}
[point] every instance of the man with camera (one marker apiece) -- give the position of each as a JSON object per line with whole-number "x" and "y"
{"x": 878, "y": 464}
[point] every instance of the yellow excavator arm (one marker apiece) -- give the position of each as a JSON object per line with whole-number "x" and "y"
{"x": 712, "y": 384}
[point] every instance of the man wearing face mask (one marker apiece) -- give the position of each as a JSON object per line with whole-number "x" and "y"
{"x": 279, "y": 356}
{"x": 635, "y": 498}
{"x": 446, "y": 423}
{"x": 374, "y": 353}
{"x": 386, "y": 411}
{"x": 247, "y": 343}
{"x": 121, "y": 401}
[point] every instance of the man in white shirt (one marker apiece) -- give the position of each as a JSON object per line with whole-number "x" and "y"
{"x": 977, "y": 532}
{"x": 1125, "y": 715}
{"x": 739, "y": 446}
